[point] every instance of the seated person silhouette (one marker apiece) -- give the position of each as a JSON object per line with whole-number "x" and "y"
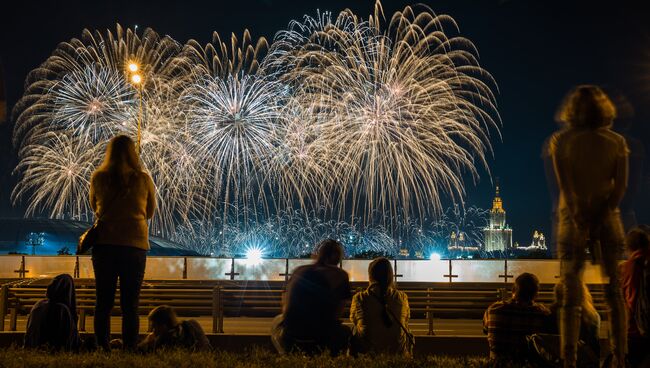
{"x": 52, "y": 322}
{"x": 590, "y": 320}
{"x": 313, "y": 305}
{"x": 168, "y": 332}
{"x": 380, "y": 314}
{"x": 546, "y": 346}
{"x": 507, "y": 323}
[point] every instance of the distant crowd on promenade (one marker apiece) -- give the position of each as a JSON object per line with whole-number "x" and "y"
{"x": 589, "y": 164}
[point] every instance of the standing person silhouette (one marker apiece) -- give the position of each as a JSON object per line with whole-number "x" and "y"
{"x": 591, "y": 165}
{"x": 121, "y": 189}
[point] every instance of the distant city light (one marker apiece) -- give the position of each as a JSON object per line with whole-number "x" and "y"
{"x": 434, "y": 257}
{"x": 254, "y": 256}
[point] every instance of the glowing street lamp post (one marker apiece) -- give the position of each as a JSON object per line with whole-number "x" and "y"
{"x": 137, "y": 80}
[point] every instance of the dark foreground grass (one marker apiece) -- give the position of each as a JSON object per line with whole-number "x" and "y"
{"x": 19, "y": 358}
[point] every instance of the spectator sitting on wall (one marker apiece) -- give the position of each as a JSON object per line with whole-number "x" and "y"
{"x": 52, "y": 322}
{"x": 168, "y": 332}
{"x": 313, "y": 305}
{"x": 507, "y": 323}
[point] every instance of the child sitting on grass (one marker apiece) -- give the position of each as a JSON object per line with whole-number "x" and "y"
{"x": 168, "y": 332}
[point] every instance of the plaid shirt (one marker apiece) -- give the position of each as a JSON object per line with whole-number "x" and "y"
{"x": 508, "y": 323}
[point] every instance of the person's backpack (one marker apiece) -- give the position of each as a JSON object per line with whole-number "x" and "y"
{"x": 642, "y": 306}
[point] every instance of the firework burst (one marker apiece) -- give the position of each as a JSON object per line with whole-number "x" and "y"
{"x": 234, "y": 111}
{"x": 342, "y": 126}
{"x": 94, "y": 103}
{"x": 83, "y": 82}
{"x": 63, "y": 165}
{"x": 408, "y": 112}
{"x": 76, "y": 101}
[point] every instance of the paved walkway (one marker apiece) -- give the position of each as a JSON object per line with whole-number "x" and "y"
{"x": 249, "y": 325}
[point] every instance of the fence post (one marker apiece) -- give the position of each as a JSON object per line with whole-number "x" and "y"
{"x": 4, "y": 304}
{"x": 75, "y": 273}
{"x": 13, "y": 319}
{"x": 21, "y": 271}
{"x": 429, "y": 314}
{"x": 184, "y": 268}
{"x": 215, "y": 306}
{"x": 217, "y": 310}
{"x": 82, "y": 320}
{"x": 221, "y": 311}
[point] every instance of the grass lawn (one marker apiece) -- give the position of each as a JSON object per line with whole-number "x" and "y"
{"x": 16, "y": 357}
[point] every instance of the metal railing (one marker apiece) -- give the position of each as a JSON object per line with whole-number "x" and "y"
{"x": 205, "y": 268}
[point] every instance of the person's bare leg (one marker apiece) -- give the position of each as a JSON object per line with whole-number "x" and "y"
{"x": 572, "y": 266}
{"x": 613, "y": 292}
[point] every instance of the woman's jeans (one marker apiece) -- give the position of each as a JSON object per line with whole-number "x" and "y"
{"x": 111, "y": 262}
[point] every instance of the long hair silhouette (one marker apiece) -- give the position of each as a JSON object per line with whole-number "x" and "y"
{"x": 380, "y": 272}
{"x": 586, "y": 106}
{"x": 121, "y": 160}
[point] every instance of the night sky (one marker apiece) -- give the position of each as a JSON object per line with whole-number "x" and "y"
{"x": 536, "y": 51}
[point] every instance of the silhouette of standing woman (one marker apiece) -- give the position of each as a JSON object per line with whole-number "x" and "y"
{"x": 121, "y": 189}
{"x": 591, "y": 165}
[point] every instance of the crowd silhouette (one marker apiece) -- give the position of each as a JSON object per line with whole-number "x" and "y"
{"x": 587, "y": 166}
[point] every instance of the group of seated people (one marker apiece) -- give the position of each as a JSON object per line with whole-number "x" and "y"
{"x": 518, "y": 329}
{"x": 527, "y": 332}
{"x": 315, "y": 300}
{"x": 52, "y": 324}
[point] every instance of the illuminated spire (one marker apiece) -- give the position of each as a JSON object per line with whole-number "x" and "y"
{"x": 497, "y": 204}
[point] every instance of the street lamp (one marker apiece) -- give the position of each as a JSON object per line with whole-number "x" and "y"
{"x": 133, "y": 67}
{"x": 136, "y": 79}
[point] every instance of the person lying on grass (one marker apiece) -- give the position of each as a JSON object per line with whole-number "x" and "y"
{"x": 168, "y": 332}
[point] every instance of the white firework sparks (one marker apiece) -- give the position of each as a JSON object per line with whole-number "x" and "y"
{"x": 408, "y": 111}
{"x": 94, "y": 103}
{"x": 369, "y": 125}
{"x": 234, "y": 110}
{"x": 56, "y": 175}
